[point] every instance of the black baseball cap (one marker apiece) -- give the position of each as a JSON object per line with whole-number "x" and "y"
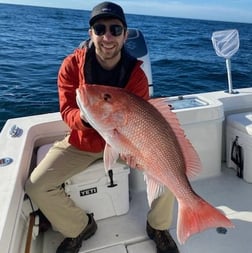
{"x": 107, "y": 10}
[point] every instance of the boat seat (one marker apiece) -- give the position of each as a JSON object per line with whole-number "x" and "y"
{"x": 136, "y": 46}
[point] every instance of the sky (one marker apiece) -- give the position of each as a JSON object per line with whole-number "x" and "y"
{"x": 221, "y": 10}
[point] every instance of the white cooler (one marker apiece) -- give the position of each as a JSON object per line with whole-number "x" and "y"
{"x": 239, "y": 144}
{"x": 91, "y": 191}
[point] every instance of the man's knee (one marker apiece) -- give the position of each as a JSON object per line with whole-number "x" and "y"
{"x": 32, "y": 189}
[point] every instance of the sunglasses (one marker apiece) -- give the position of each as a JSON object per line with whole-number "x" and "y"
{"x": 115, "y": 30}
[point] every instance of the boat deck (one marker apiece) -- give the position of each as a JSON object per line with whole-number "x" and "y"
{"x": 126, "y": 233}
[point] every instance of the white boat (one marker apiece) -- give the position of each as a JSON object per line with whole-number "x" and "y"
{"x": 219, "y": 125}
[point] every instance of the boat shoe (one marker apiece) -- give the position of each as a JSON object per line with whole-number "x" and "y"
{"x": 73, "y": 245}
{"x": 163, "y": 240}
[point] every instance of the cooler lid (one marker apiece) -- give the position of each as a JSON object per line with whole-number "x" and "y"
{"x": 241, "y": 122}
{"x": 97, "y": 171}
{"x": 196, "y": 109}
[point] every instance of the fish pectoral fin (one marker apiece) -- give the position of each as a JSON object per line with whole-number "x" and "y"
{"x": 154, "y": 189}
{"x": 110, "y": 157}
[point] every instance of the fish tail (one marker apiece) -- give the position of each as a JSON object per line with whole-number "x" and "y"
{"x": 197, "y": 218}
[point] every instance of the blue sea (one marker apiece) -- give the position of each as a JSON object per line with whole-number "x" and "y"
{"x": 35, "y": 40}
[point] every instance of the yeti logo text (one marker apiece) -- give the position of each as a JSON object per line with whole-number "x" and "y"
{"x": 88, "y": 191}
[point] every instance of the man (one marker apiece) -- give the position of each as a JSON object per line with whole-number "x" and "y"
{"x": 101, "y": 60}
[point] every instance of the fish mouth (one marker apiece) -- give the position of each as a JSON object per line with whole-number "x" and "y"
{"x": 81, "y": 96}
{"x": 83, "y": 103}
{"x": 81, "y": 100}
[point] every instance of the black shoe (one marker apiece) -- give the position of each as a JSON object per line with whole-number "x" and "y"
{"x": 163, "y": 240}
{"x": 72, "y": 245}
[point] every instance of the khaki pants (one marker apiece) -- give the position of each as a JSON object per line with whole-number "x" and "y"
{"x": 45, "y": 188}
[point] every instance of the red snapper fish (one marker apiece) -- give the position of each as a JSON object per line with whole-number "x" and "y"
{"x": 150, "y": 133}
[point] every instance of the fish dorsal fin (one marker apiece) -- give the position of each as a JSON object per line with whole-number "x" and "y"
{"x": 192, "y": 160}
{"x": 154, "y": 189}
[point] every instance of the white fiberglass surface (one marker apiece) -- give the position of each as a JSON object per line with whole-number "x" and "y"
{"x": 227, "y": 192}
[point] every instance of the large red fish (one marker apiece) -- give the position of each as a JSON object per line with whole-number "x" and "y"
{"x": 149, "y": 133}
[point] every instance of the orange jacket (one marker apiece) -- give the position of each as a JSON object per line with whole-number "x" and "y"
{"x": 69, "y": 78}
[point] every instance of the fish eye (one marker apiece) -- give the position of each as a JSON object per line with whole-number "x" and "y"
{"x": 106, "y": 97}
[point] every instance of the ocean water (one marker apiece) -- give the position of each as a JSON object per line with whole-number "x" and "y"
{"x": 35, "y": 40}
